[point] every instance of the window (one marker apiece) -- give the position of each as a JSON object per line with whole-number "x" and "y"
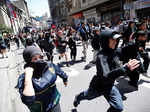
{"x": 83, "y": 1}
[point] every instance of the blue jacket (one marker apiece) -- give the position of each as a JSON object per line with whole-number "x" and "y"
{"x": 46, "y": 94}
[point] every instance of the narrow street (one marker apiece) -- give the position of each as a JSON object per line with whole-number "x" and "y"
{"x": 79, "y": 79}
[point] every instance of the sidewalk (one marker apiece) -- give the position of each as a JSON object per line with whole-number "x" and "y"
{"x": 10, "y": 69}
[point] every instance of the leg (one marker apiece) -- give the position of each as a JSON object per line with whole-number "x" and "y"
{"x": 66, "y": 57}
{"x": 56, "y": 108}
{"x": 86, "y": 95}
{"x": 95, "y": 55}
{"x": 114, "y": 99}
{"x": 74, "y": 54}
{"x": 48, "y": 55}
{"x": 134, "y": 78}
{"x": 84, "y": 49}
{"x": 71, "y": 53}
{"x": 146, "y": 61}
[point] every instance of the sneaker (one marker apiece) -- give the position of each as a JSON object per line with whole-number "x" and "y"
{"x": 67, "y": 65}
{"x": 76, "y": 102}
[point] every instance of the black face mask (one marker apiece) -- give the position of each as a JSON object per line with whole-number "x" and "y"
{"x": 40, "y": 66}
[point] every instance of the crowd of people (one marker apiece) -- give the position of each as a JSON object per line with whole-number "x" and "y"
{"x": 117, "y": 51}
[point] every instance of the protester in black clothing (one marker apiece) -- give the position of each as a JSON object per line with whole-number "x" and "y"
{"x": 62, "y": 44}
{"x": 16, "y": 39}
{"x": 47, "y": 45}
{"x": 84, "y": 37}
{"x": 95, "y": 43}
{"x": 128, "y": 32}
{"x": 141, "y": 42}
{"x": 73, "y": 48}
{"x": 108, "y": 70}
{"x": 136, "y": 50}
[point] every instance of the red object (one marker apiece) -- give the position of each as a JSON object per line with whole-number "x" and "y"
{"x": 14, "y": 14}
{"x": 78, "y": 15}
{"x": 53, "y": 26}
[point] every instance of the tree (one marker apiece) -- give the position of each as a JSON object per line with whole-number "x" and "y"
{"x": 4, "y": 28}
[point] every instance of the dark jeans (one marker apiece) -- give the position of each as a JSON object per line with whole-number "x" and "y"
{"x": 146, "y": 61}
{"x": 134, "y": 77}
{"x": 56, "y": 108}
{"x": 112, "y": 96}
{"x": 73, "y": 53}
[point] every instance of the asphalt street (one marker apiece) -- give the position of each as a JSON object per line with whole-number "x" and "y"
{"x": 80, "y": 75}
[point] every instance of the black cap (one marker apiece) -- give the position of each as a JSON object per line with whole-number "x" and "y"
{"x": 30, "y": 52}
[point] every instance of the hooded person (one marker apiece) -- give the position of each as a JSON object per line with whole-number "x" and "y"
{"x": 95, "y": 43}
{"x": 36, "y": 85}
{"x": 108, "y": 70}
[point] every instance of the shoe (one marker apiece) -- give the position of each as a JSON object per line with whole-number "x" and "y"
{"x": 59, "y": 58}
{"x": 76, "y": 102}
{"x": 67, "y": 65}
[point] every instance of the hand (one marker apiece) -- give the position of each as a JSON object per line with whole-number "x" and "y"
{"x": 29, "y": 72}
{"x": 65, "y": 83}
{"x": 141, "y": 49}
{"x": 133, "y": 64}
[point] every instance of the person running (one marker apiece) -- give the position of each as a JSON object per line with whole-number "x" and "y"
{"x": 62, "y": 44}
{"x": 108, "y": 70}
{"x": 72, "y": 46}
{"x": 37, "y": 85}
{"x": 84, "y": 38}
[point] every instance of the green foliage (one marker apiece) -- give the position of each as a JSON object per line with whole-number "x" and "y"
{"x": 4, "y": 28}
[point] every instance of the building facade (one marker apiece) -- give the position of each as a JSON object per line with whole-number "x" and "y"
{"x": 20, "y": 17}
{"x": 4, "y": 17}
{"x": 97, "y": 10}
{"x": 111, "y": 10}
{"x": 59, "y": 10}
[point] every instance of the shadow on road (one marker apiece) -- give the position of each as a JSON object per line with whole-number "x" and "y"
{"x": 89, "y": 65}
{"x": 63, "y": 64}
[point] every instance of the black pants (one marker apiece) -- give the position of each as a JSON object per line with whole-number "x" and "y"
{"x": 112, "y": 95}
{"x": 146, "y": 61}
{"x": 73, "y": 53}
{"x": 134, "y": 77}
